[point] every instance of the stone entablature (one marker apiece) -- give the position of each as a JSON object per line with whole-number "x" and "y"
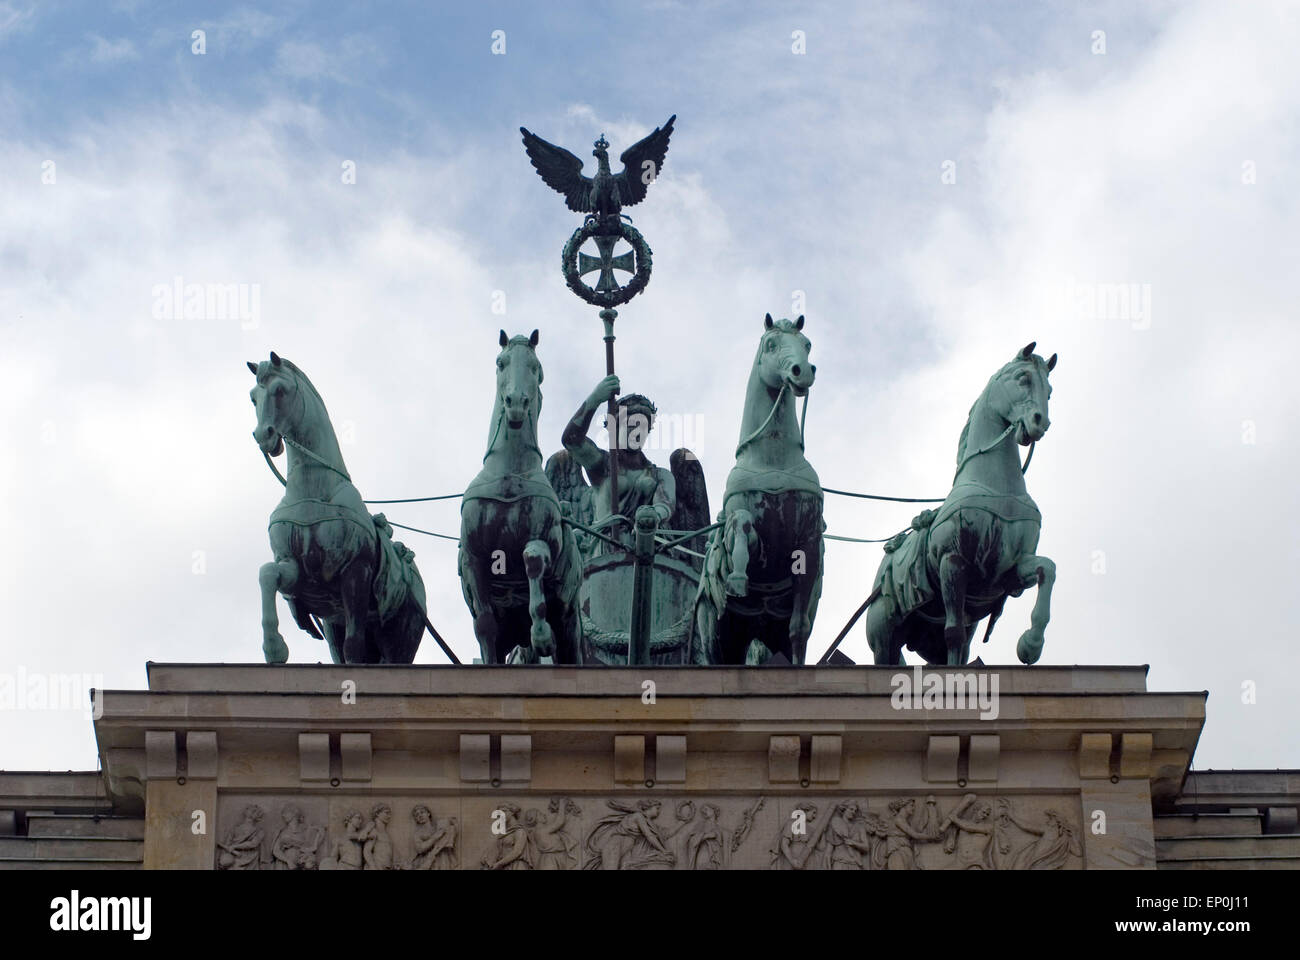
{"x": 548, "y": 767}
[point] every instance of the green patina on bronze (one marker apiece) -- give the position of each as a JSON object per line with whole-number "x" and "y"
{"x": 636, "y": 596}
{"x": 335, "y": 564}
{"x": 763, "y": 568}
{"x": 519, "y": 565}
{"x": 959, "y": 563}
{"x": 605, "y": 557}
{"x": 636, "y": 599}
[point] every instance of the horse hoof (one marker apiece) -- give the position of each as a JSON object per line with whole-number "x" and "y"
{"x": 521, "y": 655}
{"x": 275, "y": 650}
{"x": 542, "y": 640}
{"x": 1030, "y": 647}
{"x": 737, "y": 585}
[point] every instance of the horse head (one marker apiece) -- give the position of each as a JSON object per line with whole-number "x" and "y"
{"x": 1021, "y": 394}
{"x": 783, "y": 356}
{"x": 519, "y": 380}
{"x": 278, "y": 402}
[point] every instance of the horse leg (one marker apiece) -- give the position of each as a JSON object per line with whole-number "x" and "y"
{"x": 952, "y": 583}
{"x": 475, "y": 577}
{"x": 400, "y": 638}
{"x": 354, "y": 590}
{"x": 805, "y": 583}
{"x": 568, "y": 581}
{"x": 1038, "y": 571}
{"x": 704, "y": 644}
{"x": 275, "y": 577}
{"x": 740, "y": 530}
{"x": 334, "y": 632}
{"x": 882, "y": 632}
{"x": 537, "y": 558}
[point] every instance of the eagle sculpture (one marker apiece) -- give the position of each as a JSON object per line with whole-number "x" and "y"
{"x": 605, "y": 194}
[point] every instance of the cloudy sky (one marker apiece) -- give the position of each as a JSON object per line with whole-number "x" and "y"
{"x": 938, "y": 183}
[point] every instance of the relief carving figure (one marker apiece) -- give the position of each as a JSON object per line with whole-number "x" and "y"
{"x": 629, "y": 838}
{"x": 795, "y": 847}
{"x": 445, "y": 857}
{"x": 848, "y": 838}
{"x": 243, "y": 844}
{"x": 433, "y": 844}
{"x": 515, "y": 847}
{"x": 296, "y": 844}
{"x": 971, "y": 840}
{"x": 927, "y": 821}
{"x": 377, "y": 849}
{"x": 347, "y": 853}
{"x": 556, "y": 849}
{"x": 1054, "y": 845}
{"x": 707, "y": 844}
{"x": 899, "y": 852}
{"x": 970, "y": 837}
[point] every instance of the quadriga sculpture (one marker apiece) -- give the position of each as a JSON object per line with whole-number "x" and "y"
{"x": 960, "y": 562}
{"x": 519, "y": 566}
{"x": 333, "y": 560}
{"x": 763, "y": 567}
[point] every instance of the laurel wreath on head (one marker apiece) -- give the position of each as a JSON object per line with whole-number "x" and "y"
{"x": 606, "y": 298}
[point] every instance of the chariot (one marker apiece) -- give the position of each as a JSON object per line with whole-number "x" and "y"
{"x": 602, "y": 557}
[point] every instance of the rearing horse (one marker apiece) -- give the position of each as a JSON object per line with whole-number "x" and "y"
{"x": 333, "y": 559}
{"x": 763, "y": 568}
{"x": 960, "y": 562}
{"x": 519, "y": 566}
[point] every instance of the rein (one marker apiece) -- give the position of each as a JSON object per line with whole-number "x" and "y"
{"x": 302, "y": 404}
{"x": 991, "y": 446}
{"x": 496, "y": 432}
{"x": 785, "y": 385}
{"x": 306, "y": 452}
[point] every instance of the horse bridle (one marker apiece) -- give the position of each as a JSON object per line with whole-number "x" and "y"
{"x": 304, "y": 450}
{"x": 803, "y": 418}
{"x": 993, "y": 446}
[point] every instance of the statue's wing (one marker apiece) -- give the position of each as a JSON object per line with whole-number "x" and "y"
{"x": 561, "y": 170}
{"x": 636, "y": 177}
{"x": 565, "y": 475}
{"x": 691, "y": 511}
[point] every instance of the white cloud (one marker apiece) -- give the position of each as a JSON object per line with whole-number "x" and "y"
{"x": 130, "y": 436}
{"x": 105, "y": 51}
{"x": 15, "y": 18}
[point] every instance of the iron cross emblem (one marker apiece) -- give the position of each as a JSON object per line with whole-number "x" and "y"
{"x": 606, "y": 263}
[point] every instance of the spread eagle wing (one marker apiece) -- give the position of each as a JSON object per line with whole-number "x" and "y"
{"x": 692, "y": 509}
{"x": 632, "y": 182}
{"x": 561, "y": 170}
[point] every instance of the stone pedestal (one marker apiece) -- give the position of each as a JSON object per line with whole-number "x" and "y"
{"x": 427, "y": 767}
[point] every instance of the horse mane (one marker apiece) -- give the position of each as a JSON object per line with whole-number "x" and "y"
{"x": 965, "y": 431}
{"x": 303, "y": 378}
{"x": 1033, "y": 359}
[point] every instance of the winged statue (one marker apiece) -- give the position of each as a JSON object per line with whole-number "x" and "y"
{"x": 605, "y": 194}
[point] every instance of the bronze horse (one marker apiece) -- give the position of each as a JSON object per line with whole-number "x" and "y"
{"x": 333, "y": 560}
{"x": 763, "y": 568}
{"x": 519, "y": 565}
{"x": 960, "y": 563}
